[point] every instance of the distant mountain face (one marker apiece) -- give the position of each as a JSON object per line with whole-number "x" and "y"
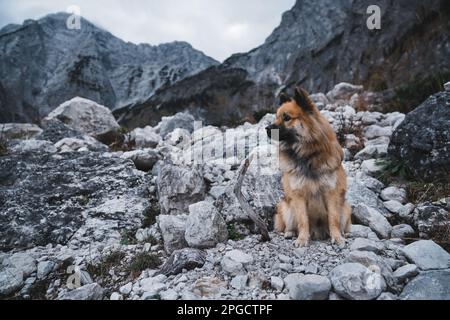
{"x": 318, "y": 44}
{"x": 43, "y": 63}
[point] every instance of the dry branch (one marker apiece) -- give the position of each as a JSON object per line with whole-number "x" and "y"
{"x": 244, "y": 204}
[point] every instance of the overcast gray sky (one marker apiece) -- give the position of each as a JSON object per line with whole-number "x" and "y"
{"x": 217, "y": 27}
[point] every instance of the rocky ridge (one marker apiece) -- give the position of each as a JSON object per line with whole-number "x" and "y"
{"x": 90, "y": 62}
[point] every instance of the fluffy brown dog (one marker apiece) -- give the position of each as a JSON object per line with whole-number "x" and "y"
{"x": 314, "y": 180}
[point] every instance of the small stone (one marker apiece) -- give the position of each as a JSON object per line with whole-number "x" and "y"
{"x": 88, "y": 292}
{"x": 126, "y": 289}
{"x": 205, "y": 227}
{"x": 374, "y": 219}
{"x": 235, "y": 261}
{"x": 356, "y": 282}
{"x": 239, "y": 282}
{"x": 185, "y": 259}
{"x": 116, "y": 297}
{"x": 309, "y": 287}
{"x": 402, "y": 231}
{"x": 387, "y": 296}
{"x": 277, "y": 283}
{"x": 44, "y": 268}
{"x": 394, "y": 193}
{"x": 427, "y": 255}
{"x": 394, "y": 206}
{"x": 169, "y": 295}
{"x": 447, "y": 86}
{"x": 361, "y": 244}
{"x": 371, "y": 167}
{"x": 406, "y": 272}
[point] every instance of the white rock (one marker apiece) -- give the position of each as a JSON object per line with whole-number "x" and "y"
{"x": 11, "y": 280}
{"x": 44, "y": 268}
{"x": 361, "y": 244}
{"x": 169, "y": 295}
{"x": 372, "y": 151}
{"x": 86, "y": 116}
{"x": 277, "y": 283}
{"x": 375, "y": 131}
{"x": 235, "y": 261}
{"x": 309, "y": 287}
{"x": 371, "y": 167}
{"x": 394, "y": 193}
{"x": 394, "y": 206}
{"x": 21, "y": 131}
{"x": 402, "y": 231}
{"x": 406, "y": 272}
{"x": 239, "y": 282}
{"x": 116, "y": 297}
{"x": 88, "y": 292}
{"x": 344, "y": 91}
{"x": 126, "y": 289}
{"x": 427, "y": 255}
{"x": 79, "y": 145}
{"x": 373, "y": 219}
{"x": 173, "y": 229}
{"x": 205, "y": 227}
{"x": 33, "y": 146}
{"x": 145, "y": 137}
{"x": 447, "y": 86}
{"x": 23, "y": 262}
{"x": 355, "y": 282}
{"x": 359, "y": 231}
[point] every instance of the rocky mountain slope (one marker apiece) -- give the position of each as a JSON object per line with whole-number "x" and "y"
{"x": 318, "y": 44}
{"x": 43, "y": 63}
{"x": 156, "y": 217}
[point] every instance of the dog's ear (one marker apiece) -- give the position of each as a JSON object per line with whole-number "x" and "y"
{"x": 303, "y": 100}
{"x": 284, "y": 98}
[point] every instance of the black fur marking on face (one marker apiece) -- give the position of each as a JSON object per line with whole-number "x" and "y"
{"x": 288, "y": 136}
{"x": 284, "y": 98}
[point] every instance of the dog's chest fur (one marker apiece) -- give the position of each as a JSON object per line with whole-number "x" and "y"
{"x": 300, "y": 178}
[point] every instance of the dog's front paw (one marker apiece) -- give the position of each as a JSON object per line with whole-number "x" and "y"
{"x": 338, "y": 240}
{"x": 301, "y": 242}
{"x": 289, "y": 235}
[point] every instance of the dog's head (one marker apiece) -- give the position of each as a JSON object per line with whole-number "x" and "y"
{"x": 298, "y": 120}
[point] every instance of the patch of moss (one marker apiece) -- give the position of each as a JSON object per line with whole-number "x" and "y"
{"x": 233, "y": 234}
{"x": 150, "y": 215}
{"x": 128, "y": 238}
{"x": 392, "y": 171}
{"x": 143, "y": 261}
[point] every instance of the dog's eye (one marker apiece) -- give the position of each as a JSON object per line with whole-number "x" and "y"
{"x": 287, "y": 118}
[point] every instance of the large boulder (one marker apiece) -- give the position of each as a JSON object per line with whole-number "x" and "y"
{"x": 88, "y": 117}
{"x": 430, "y": 285}
{"x": 422, "y": 141}
{"x": 51, "y": 199}
{"x": 427, "y": 255}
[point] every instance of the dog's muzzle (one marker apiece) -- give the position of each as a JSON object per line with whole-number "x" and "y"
{"x": 270, "y": 128}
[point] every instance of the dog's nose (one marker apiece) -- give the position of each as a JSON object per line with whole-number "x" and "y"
{"x": 269, "y": 130}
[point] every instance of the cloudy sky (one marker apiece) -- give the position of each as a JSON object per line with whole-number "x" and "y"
{"x": 217, "y": 27}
